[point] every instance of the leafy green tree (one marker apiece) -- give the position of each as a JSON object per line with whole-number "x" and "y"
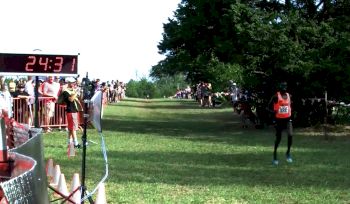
{"x": 132, "y": 89}
{"x": 157, "y": 88}
{"x": 146, "y": 89}
{"x": 258, "y": 43}
{"x": 167, "y": 86}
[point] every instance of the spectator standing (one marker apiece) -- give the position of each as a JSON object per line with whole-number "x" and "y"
{"x": 2, "y": 80}
{"x": 188, "y": 92}
{"x": 234, "y": 95}
{"x": 115, "y": 92}
{"x": 63, "y": 86}
{"x": 8, "y": 100}
{"x": 3, "y": 106}
{"x": 205, "y": 95}
{"x": 210, "y": 90}
{"x": 12, "y": 87}
{"x": 29, "y": 88}
{"x": 50, "y": 89}
{"x": 23, "y": 106}
{"x": 119, "y": 90}
{"x": 73, "y": 107}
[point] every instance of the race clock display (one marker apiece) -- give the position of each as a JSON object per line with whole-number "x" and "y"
{"x": 38, "y": 64}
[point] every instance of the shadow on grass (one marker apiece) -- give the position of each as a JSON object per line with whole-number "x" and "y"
{"x": 162, "y": 106}
{"x": 216, "y": 126}
{"x": 317, "y": 163}
{"x": 229, "y": 132}
{"x": 136, "y": 100}
{"x": 211, "y": 127}
{"x": 165, "y": 100}
{"x": 167, "y": 105}
{"x": 184, "y": 168}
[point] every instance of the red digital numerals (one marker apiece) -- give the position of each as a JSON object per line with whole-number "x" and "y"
{"x": 44, "y": 62}
{"x": 73, "y": 65}
{"x": 49, "y": 64}
{"x": 58, "y": 64}
{"x": 30, "y": 63}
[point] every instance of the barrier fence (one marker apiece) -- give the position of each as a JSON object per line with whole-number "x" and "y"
{"x": 24, "y": 112}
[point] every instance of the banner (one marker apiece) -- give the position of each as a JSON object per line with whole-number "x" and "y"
{"x": 96, "y": 110}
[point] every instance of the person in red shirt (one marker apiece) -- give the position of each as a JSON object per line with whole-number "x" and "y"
{"x": 280, "y": 106}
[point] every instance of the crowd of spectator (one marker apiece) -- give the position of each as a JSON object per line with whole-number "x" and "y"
{"x": 203, "y": 94}
{"x": 240, "y": 100}
{"x": 184, "y": 93}
{"x": 49, "y": 88}
{"x": 115, "y": 90}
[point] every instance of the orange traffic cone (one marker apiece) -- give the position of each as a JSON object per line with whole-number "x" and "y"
{"x": 62, "y": 186}
{"x": 101, "y": 195}
{"x": 71, "y": 150}
{"x": 50, "y": 170}
{"x": 56, "y": 177}
{"x": 76, "y": 197}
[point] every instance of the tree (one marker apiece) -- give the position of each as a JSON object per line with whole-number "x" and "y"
{"x": 167, "y": 86}
{"x": 259, "y": 42}
{"x": 157, "y": 88}
{"x": 132, "y": 87}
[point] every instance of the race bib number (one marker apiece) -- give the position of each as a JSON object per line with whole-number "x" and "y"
{"x": 283, "y": 109}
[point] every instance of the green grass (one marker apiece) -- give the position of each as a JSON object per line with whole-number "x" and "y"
{"x": 172, "y": 151}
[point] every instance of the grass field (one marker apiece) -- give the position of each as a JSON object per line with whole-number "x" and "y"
{"x": 172, "y": 151}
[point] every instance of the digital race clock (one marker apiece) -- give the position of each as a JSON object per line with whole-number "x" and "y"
{"x": 38, "y": 64}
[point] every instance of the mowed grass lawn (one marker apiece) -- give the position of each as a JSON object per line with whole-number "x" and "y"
{"x": 172, "y": 151}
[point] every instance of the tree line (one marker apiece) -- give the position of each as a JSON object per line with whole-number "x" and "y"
{"x": 258, "y": 43}
{"x": 160, "y": 88}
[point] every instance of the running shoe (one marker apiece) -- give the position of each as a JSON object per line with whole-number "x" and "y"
{"x": 289, "y": 158}
{"x": 275, "y": 162}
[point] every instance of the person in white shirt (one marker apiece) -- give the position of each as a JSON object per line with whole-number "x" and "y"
{"x": 234, "y": 94}
{"x": 8, "y": 99}
{"x": 50, "y": 90}
{"x": 3, "y": 106}
{"x": 29, "y": 88}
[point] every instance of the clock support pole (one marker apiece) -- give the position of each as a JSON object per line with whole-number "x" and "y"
{"x": 87, "y": 94}
{"x": 36, "y": 116}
